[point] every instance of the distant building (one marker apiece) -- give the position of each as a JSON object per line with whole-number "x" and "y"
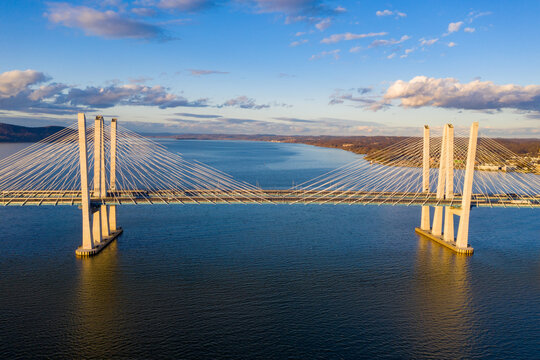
{"x": 508, "y": 168}
{"x": 488, "y": 167}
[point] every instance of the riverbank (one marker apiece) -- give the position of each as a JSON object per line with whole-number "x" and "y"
{"x": 355, "y": 144}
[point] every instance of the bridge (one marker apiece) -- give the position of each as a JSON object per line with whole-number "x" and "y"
{"x": 169, "y": 197}
{"x": 453, "y": 172}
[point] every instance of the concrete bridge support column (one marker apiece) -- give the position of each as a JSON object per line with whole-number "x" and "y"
{"x": 463, "y": 229}
{"x": 103, "y": 183}
{"x": 438, "y": 215}
{"x": 96, "y": 219}
{"x": 87, "y": 241}
{"x": 424, "y": 222}
{"x": 112, "y": 176}
{"x": 449, "y": 186}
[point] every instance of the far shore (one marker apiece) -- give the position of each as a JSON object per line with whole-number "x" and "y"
{"x": 355, "y": 144}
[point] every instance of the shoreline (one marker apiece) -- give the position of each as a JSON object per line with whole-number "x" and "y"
{"x": 339, "y": 144}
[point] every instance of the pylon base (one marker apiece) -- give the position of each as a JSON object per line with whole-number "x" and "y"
{"x": 450, "y": 245}
{"x": 80, "y": 252}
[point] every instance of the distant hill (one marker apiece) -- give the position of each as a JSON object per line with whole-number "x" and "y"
{"x": 357, "y": 144}
{"x": 15, "y": 133}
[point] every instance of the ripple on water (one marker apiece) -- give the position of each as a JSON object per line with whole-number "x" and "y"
{"x": 268, "y": 281}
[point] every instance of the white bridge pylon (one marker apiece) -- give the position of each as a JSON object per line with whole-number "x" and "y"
{"x": 445, "y": 190}
{"x": 142, "y": 172}
{"x": 98, "y": 221}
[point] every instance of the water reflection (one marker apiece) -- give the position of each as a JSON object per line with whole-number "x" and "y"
{"x": 443, "y": 297}
{"x": 98, "y": 303}
{"x": 268, "y": 281}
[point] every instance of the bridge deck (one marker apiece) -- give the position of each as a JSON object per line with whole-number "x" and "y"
{"x": 142, "y": 197}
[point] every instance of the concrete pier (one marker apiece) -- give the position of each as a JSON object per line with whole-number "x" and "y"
{"x": 82, "y": 252}
{"x": 452, "y": 245}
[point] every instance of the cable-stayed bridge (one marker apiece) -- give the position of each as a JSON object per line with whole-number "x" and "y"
{"x": 102, "y": 166}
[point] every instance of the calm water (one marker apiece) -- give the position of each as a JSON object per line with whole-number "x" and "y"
{"x": 267, "y": 281}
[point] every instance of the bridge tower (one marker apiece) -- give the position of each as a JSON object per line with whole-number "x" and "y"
{"x": 445, "y": 191}
{"x": 98, "y": 219}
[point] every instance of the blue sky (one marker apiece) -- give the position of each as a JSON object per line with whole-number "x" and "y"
{"x": 273, "y": 66}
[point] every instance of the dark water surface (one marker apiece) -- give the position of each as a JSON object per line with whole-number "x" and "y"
{"x": 267, "y": 281}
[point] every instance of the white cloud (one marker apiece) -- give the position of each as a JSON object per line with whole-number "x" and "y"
{"x": 391, "y": 56}
{"x": 383, "y": 42}
{"x": 198, "y": 116}
{"x": 298, "y": 43}
{"x": 390, "y": 12}
{"x": 455, "y": 26}
{"x": 46, "y": 91}
{"x": 199, "y": 72}
{"x": 143, "y": 11}
{"x": 452, "y": 44}
{"x": 293, "y": 19}
{"x": 355, "y": 49}
{"x": 428, "y": 42}
{"x": 244, "y": 102}
{"x": 20, "y": 90}
{"x": 349, "y": 36}
{"x": 277, "y": 125}
{"x": 113, "y": 3}
{"x": 288, "y": 6}
{"x": 384, "y": 13}
{"x": 473, "y": 15}
{"x": 363, "y": 101}
{"x": 334, "y": 53}
{"x": 314, "y": 12}
{"x": 450, "y": 93}
{"x": 12, "y": 83}
{"x": 324, "y": 24}
{"x": 129, "y": 94}
{"x": 469, "y": 29}
{"x": 184, "y": 5}
{"x": 107, "y": 24}
{"x": 226, "y": 125}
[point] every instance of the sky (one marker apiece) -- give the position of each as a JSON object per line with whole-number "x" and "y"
{"x": 290, "y": 67}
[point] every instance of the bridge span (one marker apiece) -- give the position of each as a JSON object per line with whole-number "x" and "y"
{"x": 288, "y": 196}
{"x": 103, "y": 166}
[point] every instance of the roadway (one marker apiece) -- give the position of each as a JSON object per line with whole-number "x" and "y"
{"x": 290, "y": 196}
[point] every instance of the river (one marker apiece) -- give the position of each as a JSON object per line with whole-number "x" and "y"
{"x": 267, "y": 281}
